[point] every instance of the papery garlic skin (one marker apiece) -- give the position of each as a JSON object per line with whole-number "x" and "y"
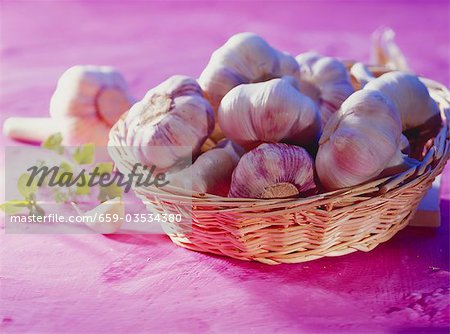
{"x": 232, "y": 148}
{"x": 244, "y": 58}
{"x": 172, "y": 115}
{"x": 210, "y": 173}
{"x": 85, "y": 91}
{"x": 274, "y": 171}
{"x": 405, "y": 146}
{"x": 325, "y": 80}
{"x": 411, "y": 98}
{"x": 359, "y": 141}
{"x": 386, "y": 52}
{"x": 271, "y": 111}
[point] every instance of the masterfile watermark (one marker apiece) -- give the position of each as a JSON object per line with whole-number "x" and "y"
{"x": 55, "y": 176}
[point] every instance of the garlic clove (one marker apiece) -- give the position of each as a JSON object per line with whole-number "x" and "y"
{"x": 96, "y": 219}
{"x": 359, "y": 141}
{"x": 274, "y": 171}
{"x": 270, "y": 111}
{"x": 325, "y": 80}
{"x": 210, "y": 173}
{"x": 173, "y": 115}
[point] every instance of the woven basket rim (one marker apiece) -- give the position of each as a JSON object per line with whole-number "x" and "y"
{"x": 437, "y": 155}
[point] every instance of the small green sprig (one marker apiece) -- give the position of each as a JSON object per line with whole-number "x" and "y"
{"x": 82, "y": 156}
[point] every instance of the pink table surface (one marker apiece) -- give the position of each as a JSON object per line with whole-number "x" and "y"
{"x": 125, "y": 283}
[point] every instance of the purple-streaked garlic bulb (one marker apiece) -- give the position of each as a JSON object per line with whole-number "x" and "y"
{"x": 87, "y": 101}
{"x": 172, "y": 115}
{"x": 244, "y": 58}
{"x": 211, "y": 172}
{"x": 325, "y": 80}
{"x": 271, "y": 111}
{"x": 274, "y": 171}
{"x": 361, "y": 141}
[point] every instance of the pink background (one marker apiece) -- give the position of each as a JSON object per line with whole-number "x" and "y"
{"x": 95, "y": 284}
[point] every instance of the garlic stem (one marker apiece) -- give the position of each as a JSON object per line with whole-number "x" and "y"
{"x": 31, "y": 129}
{"x": 361, "y": 73}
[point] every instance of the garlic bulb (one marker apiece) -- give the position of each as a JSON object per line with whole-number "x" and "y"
{"x": 87, "y": 101}
{"x": 270, "y": 111}
{"x": 274, "y": 171}
{"x": 360, "y": 141}
{"x": 325, "y": 80}
{"x": 211, "y": 172}
{"x": 173, "y": 115}
{"x": 244, "y": 58}
{"x": 411, "y": 97}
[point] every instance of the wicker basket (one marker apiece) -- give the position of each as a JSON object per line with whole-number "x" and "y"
{"x": 296, "y": 230}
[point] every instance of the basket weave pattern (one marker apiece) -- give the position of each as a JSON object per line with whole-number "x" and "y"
{"x": 296, "y": 230}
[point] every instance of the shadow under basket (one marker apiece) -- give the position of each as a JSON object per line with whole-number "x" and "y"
{"x": 301, "y": 229}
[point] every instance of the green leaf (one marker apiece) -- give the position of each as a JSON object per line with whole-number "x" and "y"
{"x": 104, "y": 167}
{"x": 83, "y": 190}
{"x": 59, "y": 196}
{"x": 84, "y": 154}
{"x": 13, "y": 207}
{"x": 24, "y": 189}
{"x": 53, "y": 143}
{"x": 109, "y": 192}
{"x": 65, "y": 167}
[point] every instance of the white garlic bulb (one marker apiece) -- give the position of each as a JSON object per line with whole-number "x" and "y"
{"x": 172, "y": 115}
{"x": 211, "y": 172}
{"x": 325, "y": 80}
{"x": 274, "y": 171}
{"x": 244, "y": 58}
{"x": 271, "y": 111}
{"x": 411, "y": 97}
{"x": 360, "y": 141}
{"x": 87, "y": 101}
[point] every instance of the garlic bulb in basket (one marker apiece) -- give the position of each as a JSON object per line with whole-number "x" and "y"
{"x": 244, "y": 58}
{"x": 210, "y": 173}
{"x": 274, "y": 171}
{"x": 361, "y": 141}
{"x": 270, "y": 111}
{"x": 172, "y": 115}
{"x": 412, "y": 99}
{"x": 87, "y": 101}
{"x": 325, "y": 80}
